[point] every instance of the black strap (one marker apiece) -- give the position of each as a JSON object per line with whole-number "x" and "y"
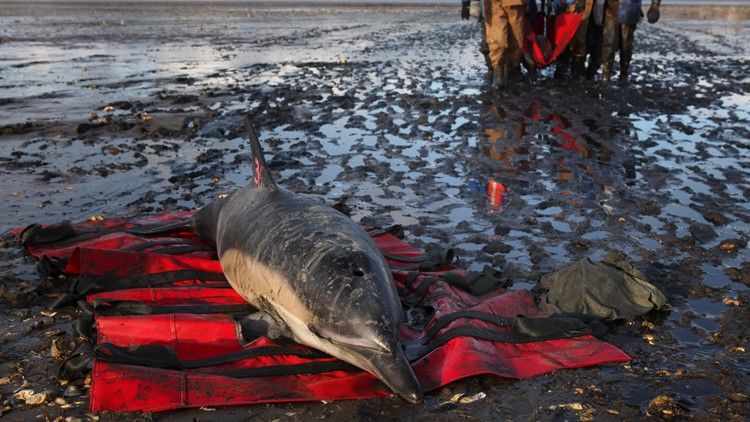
{"x": 187, "y": 246}
{"x": 64, "y": 232}
{"x": 254, "y": 352}
{"x": 425, "y": 262}
{"x": 417, "y": 349}
{"x": 421, "y": 290}
{"x": 160, "y": 229}
{"x": 447, "y": 319}
{"x": 109, "y": 307}
{"x": 164, "y": 357}
{"x": 396, "y": 230}
{"x": 477, "y": 282}
{"x": 179, "y": 250}
{"x": 87, "y": 283}
{"x": 309, "y": 368}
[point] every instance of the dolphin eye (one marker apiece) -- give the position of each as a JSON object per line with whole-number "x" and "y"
{"x": 358, "y": 272}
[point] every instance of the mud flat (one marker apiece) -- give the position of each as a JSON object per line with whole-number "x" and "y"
{"x": 121, "y": 110}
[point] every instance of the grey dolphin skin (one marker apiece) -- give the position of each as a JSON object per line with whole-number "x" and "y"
{"x": 312, "y": 269}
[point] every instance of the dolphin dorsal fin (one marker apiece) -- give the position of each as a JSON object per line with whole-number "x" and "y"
{"x": 261, "y": 174}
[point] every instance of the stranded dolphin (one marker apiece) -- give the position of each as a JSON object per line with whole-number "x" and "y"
{"x": 312, "y": 269}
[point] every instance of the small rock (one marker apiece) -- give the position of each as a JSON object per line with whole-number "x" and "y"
{"x": 72, "y": 391}
{"x": 665, "y": 408}
{"x": 702, "y": 232}
{"x": 739, "y": 397}
{"x": 567, "y": 406}
{"x": 494, "y": 247}
{"x": 30, "y": 397}
{"x": 716, "y": 218}
{"x": 731, "y": 245}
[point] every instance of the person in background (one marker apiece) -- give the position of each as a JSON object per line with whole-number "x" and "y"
{"x": 504, "y": 25}
{"x": 575, "y": 53}
{"x": 473, "y": 9}
{"x": 578, "y": 45}
{"x": 620, "y": 20}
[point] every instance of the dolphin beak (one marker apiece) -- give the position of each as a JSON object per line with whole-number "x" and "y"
{"x": 394, "y": 370}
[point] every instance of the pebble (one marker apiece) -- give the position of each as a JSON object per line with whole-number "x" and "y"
{"x": 31, "y": 397}
{"x": 72, "y": 391}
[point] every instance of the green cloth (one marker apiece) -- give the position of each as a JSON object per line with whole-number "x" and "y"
{"x": 611, "y": 289}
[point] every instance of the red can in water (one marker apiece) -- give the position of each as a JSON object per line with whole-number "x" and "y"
{"x": 496, "y": 191}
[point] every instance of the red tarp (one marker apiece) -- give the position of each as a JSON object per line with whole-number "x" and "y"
{"x": 542, "y": 49}
{"x": 122, "y": 387}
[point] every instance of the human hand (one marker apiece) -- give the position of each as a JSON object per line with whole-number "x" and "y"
{"x": 580, "y": 6}
{"x": 653, "y": 13}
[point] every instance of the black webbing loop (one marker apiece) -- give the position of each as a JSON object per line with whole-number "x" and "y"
{"x": 36, "y": 234}
{"x": 150, "y": 355}
{"x": 480, "y": 282}
{"x": 59, "y": 234}
{"x": 78, "y": 364}
{"x": 85, "y": 327}
{"x": 51, "y": 267}
{"x": 397, "y": 230}
{"x": 66, "y": 299}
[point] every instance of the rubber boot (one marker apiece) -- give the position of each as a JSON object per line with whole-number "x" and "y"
{"x": 624, "y": 74}
{"x": 626, "y": 52}
{"x": 561, "y": 66}
{"x": 499, "y": 78}
{"x": 606, "y": 73}
{"x": 579, "y": 67}
{"x": 484, "y": 48}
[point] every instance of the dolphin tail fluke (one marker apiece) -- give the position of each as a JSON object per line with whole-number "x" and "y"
{"x": 261, "y": 174}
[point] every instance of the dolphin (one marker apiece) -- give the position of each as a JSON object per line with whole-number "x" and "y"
{"x": 312, "y": 269}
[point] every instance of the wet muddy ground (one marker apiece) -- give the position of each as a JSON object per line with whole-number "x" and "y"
{"x": 122, "y": 110}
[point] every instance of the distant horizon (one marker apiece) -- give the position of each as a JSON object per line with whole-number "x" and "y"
{"x": 666, "y": 3}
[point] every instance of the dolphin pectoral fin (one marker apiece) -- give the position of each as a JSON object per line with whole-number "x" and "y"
{"x": 204, "y": 222}
{"x": 261, "y": 324}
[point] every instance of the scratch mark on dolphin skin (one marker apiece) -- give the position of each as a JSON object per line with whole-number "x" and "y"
{"x": 258, "y": 169}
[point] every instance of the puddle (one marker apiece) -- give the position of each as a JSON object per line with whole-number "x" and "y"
{"x": 713, "y": 277}
{"x": 706, "y": 306}
{"x": 696, "y": 387}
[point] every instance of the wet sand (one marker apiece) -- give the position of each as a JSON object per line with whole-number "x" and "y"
{"x": 117, "y": 110}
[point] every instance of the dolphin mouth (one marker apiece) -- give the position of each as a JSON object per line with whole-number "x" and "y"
{"x": 392, "y": 368}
